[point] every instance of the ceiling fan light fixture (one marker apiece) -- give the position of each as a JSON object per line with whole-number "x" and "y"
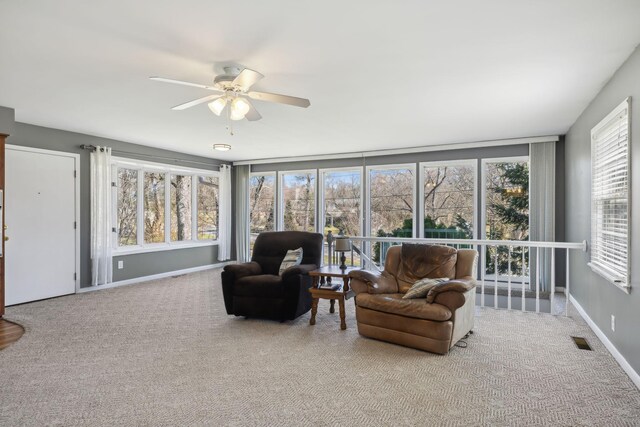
{"x": 240, "y": 107}
{"x": 218, "y": 105}
{"x": 222, "y": 147}
{"x": 234, "y": 116}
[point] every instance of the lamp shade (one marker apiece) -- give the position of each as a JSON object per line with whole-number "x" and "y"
{"x": 218, "y": 105}
{"x": 239, "y": 107}
{"x": 342, "y": 245}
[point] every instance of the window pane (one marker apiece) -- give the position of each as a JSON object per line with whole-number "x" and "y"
{"x": 342, "y": 202}
{"x": 127, "y": 207}
{"x": 391, "y": 202}
{"x": 154, "y": 207}
{"x": 299, "y": 197}
{"x": 180, "y": 207}
{"x": 448, "y": 201}
{"x": 507, "y": 213}
{"x": 261, "y": 204}
{"x": 207, "y": 208}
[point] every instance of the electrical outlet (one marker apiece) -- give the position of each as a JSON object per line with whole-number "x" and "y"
{"x": 120, "y": 265}
{"x": 613, "y": 323}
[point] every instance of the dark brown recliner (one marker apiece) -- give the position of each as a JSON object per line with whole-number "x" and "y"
{"x": 255, "y": 289}
{"x": 434, "y": 323}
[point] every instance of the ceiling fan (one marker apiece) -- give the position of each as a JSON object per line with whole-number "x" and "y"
{"x": 233, "y": 89}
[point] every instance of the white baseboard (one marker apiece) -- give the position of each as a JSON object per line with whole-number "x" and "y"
{"x": 154, "y": 277}
{"x": 608, "y": 344}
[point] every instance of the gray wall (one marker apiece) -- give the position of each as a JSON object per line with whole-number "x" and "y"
{"x": 432, "y": 156}
{"x": 599, "y": 298}
{"x": 7, "y": 121}
{"x": 135, "y": 265}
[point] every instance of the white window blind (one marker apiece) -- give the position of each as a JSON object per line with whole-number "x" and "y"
{"x": 610, "y": 202}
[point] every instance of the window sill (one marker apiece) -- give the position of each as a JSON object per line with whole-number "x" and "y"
{"x": 160, "y": 247}
{"x": 624, "y": 288}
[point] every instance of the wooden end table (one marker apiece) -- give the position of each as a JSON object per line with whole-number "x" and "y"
{"x": 340, "y": 293}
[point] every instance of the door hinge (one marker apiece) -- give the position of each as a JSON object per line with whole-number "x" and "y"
{"x": 75, "y": 225}
{"x": 75, "y": 276}
{"x": 75, "y": 174}
{"x": 113, "y": 230}
{"x": 113, "y": 184}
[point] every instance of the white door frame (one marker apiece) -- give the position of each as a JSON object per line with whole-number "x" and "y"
{"x": 76, "y": 158}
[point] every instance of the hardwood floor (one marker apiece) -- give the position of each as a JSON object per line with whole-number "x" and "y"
{"x": 9, "y": 333}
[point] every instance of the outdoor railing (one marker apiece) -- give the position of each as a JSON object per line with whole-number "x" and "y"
{"x": 510, "y": 272}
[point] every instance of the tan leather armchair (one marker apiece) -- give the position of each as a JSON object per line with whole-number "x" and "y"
{"x": 435, "y": 323}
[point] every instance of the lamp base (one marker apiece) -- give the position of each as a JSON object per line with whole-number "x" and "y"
{"x": 343, "y": 260}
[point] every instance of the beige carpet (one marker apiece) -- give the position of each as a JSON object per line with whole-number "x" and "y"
{"x": 165, "y": 353}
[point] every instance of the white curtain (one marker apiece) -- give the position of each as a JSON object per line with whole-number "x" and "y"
{"x": 224, "y": 225}
{"x": 542, "y": 157}
{"x": 101, "y": 227}
{"x": 242, "y": 213}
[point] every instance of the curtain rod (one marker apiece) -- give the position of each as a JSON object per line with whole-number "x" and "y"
{"x": 152, "y": 156}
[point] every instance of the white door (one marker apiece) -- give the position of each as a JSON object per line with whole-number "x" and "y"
{"x": 40, "y": 213}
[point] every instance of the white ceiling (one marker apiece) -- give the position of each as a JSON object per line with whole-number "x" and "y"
{"x": 379, "y": 74}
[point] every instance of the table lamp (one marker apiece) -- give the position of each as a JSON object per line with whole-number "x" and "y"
{"x": 343, "y": 244}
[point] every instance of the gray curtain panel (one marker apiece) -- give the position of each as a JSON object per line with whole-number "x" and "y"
{"x": 542, "y": 183}
{"x": 242, "y": 212}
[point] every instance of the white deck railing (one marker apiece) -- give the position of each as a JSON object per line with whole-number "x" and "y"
{"x": 497, "y": 283}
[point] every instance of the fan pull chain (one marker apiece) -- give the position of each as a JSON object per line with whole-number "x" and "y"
{"x": 229, "y": 121}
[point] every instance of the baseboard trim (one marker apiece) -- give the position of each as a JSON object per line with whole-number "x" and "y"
{"x": 608, "y": 344}
{"x": 154, "y": 277}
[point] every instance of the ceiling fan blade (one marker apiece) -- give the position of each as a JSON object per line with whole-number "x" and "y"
{"x": 281, "y": 99}
{"x": 252, "y": 115}
{"x": 195, "y": 102}
{"x": 247, "y": 78}
{"x": 180, "y": 82}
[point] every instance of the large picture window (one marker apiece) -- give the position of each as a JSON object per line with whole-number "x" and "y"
{"x": 208, "y": 207}
{"x": 181, "y": 214}
{"x": 153, "y": 192}
{"x": 157, "y": 206}
{"x": 610, "y": 196}
{"x": 391, "y": 205}
{"x": 262, "y": 201}
{"x": 299, "y": 201}
{"x": 127, "y": 207}
{"x": 506, "y": 213}
{"x": 448, "y": 197}
{"x": 341, "y": 202}
{"x": 391, "y": 199}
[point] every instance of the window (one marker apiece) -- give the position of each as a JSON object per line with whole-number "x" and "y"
{"x": 208, "y": 191}
{"x": 181, "y": 207}
{"x": 341, "y": 202}
{"x": 610, "y": 196}
{"x": 127, "y": 202}
{"x": 299, "y": 201}
{"x": 448, "y": 197}
{"x": 262, "y": 192}
{"x": 506, "y": 213}
{"x": 158, "y": 207}
{"x": 153, "y": 191}
{"x": 391, "y": 205}
{"x": 391, "y": 198}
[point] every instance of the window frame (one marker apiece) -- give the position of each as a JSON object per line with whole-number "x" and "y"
{"x": 143, "y": 167}
{"x": 322, "y": 173}
{"x": 280, "y": 196}
{"x": 410, "y": 166}
{"x": 600, "y": 268}
{"x": 473, "y": 163}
